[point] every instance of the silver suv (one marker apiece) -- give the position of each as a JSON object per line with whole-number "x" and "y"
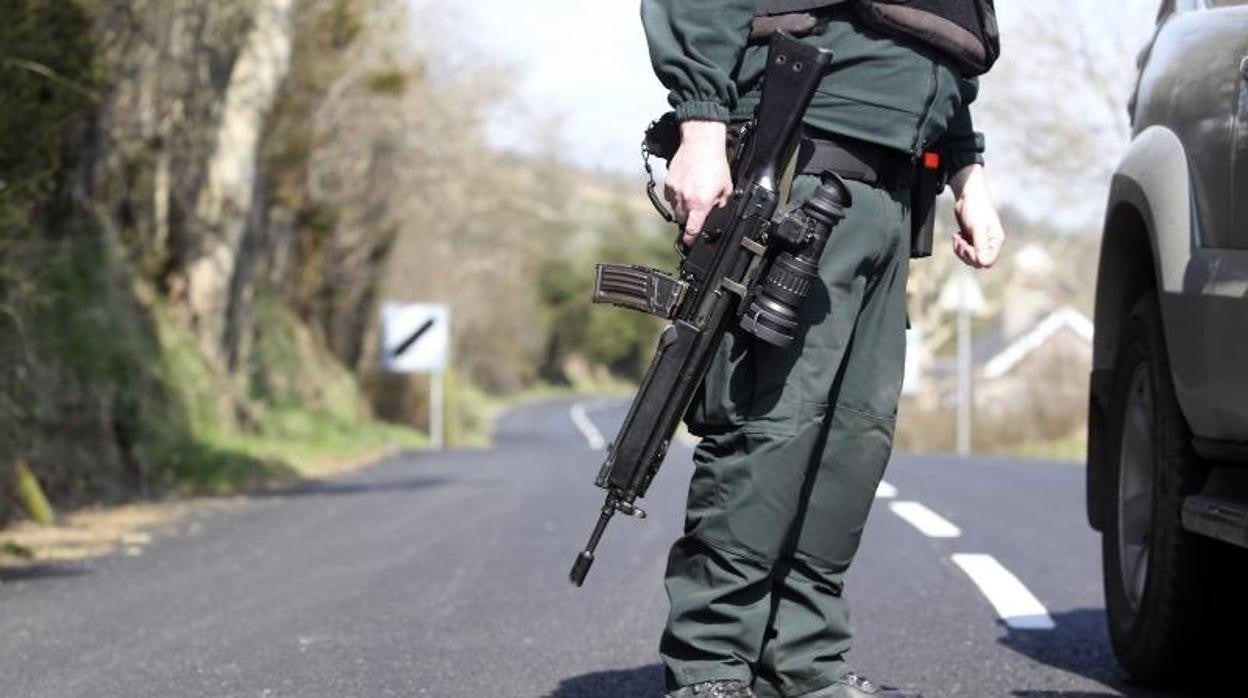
{"x": 1168, "y": 428}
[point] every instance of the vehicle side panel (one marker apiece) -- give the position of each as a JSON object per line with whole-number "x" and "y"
{"x": 1191, "y": 85}
{"x": 1203, "y": 292}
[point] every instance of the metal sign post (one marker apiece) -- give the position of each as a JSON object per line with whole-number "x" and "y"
{"x": 416, "y": 338}
{"x": 963, "y": 295}
{"x": 437, "y": 410}
{"x": 964, "y": 373}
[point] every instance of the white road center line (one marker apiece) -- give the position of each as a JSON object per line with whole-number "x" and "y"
{"x": 885, "y": 490}
{"x": 1017, "y": 606}
{"x": 928, "y": 522}
{"x": 586, "y": 426}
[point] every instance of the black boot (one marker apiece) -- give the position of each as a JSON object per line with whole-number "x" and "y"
{"x": 855, "y": 686}
{"x": 714, "y": 689}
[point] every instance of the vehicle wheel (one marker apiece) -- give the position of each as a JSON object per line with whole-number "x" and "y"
{"x": 1155, "y": 572}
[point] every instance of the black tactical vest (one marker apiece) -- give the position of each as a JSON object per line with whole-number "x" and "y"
{"x": 965, "y": 31}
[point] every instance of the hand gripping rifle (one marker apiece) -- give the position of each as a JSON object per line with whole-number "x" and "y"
{"x": 744, "y": 267}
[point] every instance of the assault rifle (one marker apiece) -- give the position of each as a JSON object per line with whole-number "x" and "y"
{"x": 747, "y": 266}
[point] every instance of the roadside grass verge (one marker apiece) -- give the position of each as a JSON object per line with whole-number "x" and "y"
{"x": 110, "y": 400}
{"x": 296, "y": 413}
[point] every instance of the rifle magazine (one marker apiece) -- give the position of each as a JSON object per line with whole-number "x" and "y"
{"x": 638, "y": 288}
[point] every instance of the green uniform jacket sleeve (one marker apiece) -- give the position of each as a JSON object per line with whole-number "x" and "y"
{"x": 961, "y": 144}
{"x": 694, "y": 46}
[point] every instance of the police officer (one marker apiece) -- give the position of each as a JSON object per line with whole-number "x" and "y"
{"x": 794, "y": 441}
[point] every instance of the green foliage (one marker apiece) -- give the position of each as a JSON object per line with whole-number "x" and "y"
{"x": 11, "y": 549}
{"x": 48, "y": 76}
{"x": 339, "y": 23}
{"x": 289, "y": 367}
{"x": 324, "y": 30}
{"x": 618, "y": 339}
{"x": 389, "y": 81}
{"x": 470, "y": 412}
{"x": 303, "y": 408}
{"x": 92, "y": 342}
{"x": 175, "y": 422}
{"x": 304, "y": 439}
{"x": 319, "y": 219}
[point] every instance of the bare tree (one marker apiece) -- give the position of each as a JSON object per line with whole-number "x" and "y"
{"x": 1055, "y": 106}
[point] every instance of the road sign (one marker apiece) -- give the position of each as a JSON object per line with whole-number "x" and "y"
{"x": 415, "y": 337}
{"x": 962, "y": 292}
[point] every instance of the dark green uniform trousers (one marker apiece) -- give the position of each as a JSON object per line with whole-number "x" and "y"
{"x": 794, "y": 442}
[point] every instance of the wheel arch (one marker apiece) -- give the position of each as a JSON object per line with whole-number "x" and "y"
{"x": 1126, "y": 271}
{"x": 1146, "y": 244}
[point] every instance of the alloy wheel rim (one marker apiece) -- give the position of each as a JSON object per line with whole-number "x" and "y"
{"x": 1136, "y": 479}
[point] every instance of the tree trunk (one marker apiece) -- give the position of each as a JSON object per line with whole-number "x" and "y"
{"x": 209, "y": 285}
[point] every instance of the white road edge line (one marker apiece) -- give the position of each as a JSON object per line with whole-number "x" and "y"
{"x": 885, "y": 490}
{"x": 928, "y": 522}
{"x": 585, "y": 425}
{"x": 1015, "y": 605}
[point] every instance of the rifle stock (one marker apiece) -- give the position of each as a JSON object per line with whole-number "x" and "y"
{"x": 720, "y": 271}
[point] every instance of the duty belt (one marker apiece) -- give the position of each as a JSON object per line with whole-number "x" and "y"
{"x": 856, "y": 160}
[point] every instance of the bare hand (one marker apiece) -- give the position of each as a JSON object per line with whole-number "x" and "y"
{"x": 980, "y": 237}
{"x": 698, "y": 177}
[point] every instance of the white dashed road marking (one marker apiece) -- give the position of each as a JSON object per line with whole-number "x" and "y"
{"x": 586, "y": 426}
{"x": 928, "y": 522}
{"x": 885, "y": 490}
{"x": 1017, "y": 606}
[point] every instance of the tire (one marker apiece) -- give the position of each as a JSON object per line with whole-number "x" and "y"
{"x": 1158, "y": 577}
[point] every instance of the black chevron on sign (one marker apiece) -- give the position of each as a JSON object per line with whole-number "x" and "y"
{"x": 407, "y": 343}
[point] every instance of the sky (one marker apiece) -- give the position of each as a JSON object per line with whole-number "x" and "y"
{"x": 581, "y": 62}
{"x": 583, "y": 66}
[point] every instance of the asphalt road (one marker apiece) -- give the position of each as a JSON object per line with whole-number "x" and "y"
{"x": 444, "y": 574}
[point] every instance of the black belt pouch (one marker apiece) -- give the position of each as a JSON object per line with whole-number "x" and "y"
{"x": 929, "y": 181}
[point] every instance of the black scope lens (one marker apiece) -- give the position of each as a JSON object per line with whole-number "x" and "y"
{"x": 772, "y": 315}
